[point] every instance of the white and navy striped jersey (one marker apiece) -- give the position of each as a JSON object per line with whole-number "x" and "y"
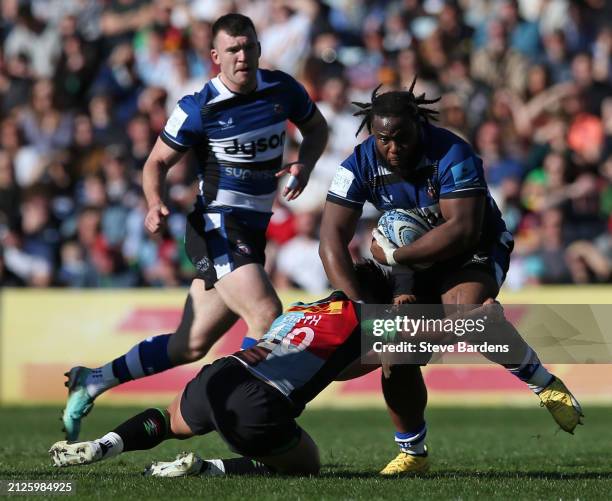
{"x": 238, "y": 140}
{"x": 449, "y": 168}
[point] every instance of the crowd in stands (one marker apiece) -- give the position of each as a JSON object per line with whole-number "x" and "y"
{"x": 87, "y": 85}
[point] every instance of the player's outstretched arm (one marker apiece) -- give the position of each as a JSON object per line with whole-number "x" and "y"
{"x": 161, "y": 158}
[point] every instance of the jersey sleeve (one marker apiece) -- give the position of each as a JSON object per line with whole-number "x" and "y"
{"x": 461, "y": 173}
{"x": 184, "y": 127}
{"x": 347, "y": 187}
{"x": 302, "y": 107}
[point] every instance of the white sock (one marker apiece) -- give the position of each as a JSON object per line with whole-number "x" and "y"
{"x": 412, "y": 442}
{"x": 215, "y": 467}
{"x": 540, "y": 379}
{"x": 111, "y": 445}
{"x": 100, "y": 380}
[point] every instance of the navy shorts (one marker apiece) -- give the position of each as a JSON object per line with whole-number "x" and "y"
{"x": 429, "y": 284}
{"x": 252, "y": 417}
{"x": 217, "y": 243}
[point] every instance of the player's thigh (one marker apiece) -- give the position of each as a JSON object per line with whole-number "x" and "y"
{"x": 253, "y": 418}
{"x": 469, "y": 286}
{"x": 248, "y": 292}
{"x": 302, "y": 459}
{"x": 206, "y": 318}
{"x": 472, "y": 278}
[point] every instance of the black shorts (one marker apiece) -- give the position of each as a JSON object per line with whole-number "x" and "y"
{"x": 217, "y": 243}
{"x": 429, "y": 284}
{"x": 252, "y": 417}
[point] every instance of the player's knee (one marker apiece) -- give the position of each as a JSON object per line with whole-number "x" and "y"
{"x": 260, "y": 319}
{"x": 270, "y": 313}
{"x": 198, "y": 342}
{"x": 196, "y": 349}
{"x": 312, "y": 467}
{"x": 301, "y": 469}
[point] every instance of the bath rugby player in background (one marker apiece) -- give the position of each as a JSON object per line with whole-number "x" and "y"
{"x": 235, "y": 126}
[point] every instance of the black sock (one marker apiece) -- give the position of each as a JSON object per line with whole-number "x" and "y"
{"x": 144, "y": 431}
{"x": 245, "y": 466}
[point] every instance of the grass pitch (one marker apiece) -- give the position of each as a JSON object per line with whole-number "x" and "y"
{"x": 476, "y": 453}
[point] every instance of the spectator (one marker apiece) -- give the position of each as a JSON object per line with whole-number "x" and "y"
{"x": 497, "y": 64}
{"x": 104, "y": 125}
{"x": 35, "y": 39}
{"x": 44, "y": 125}
{"x": 153, "y": 63}
{"x": 74, "y": 73}
{"x": 499, "y": 165}
{"x": 524, "y": 35}
{"x": 198, "y": 51}
{"x": 15, "y": 81}
{"x": 284, "y": 41}
{"x": 594, "y": 91}
{"x": 547, "y": 263}
{"x": 556, "y": 57}
{"x": 85, "y": 88}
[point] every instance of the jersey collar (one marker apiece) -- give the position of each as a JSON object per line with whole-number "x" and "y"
{"x": 224, "y": 92}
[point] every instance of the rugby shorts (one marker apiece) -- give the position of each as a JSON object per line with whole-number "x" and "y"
{"x": 252, "y": 417}
{"x": 428, "y": 284}
{"x": 217, "y": 243}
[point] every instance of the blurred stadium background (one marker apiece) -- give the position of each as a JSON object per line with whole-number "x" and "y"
{"x": 86, "y": 86}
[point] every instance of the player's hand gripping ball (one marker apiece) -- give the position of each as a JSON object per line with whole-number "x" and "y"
{"x": 402, "y": 227}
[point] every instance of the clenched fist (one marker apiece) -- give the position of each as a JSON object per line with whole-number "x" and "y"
{"x": 156, "y": 217}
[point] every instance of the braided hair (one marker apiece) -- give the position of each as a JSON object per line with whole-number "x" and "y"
{"x": 395, "y": 104}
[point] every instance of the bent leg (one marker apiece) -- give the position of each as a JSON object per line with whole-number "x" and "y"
{"x": 303, "y": 459}
{"x": 205, "y": 319}
{"x": 247, "y": 292}
{"x": 473, "y": 287}
{"x": 141, "y": 432}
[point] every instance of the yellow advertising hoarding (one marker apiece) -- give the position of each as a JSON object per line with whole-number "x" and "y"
{"x": 45, "y": 332}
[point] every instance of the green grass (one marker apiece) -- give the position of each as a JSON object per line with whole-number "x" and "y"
{"x": 476, "y": 452}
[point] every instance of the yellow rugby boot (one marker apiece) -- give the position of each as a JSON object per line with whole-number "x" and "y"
{"x": 407, "y": 464}
{"x": 560, "y": 402}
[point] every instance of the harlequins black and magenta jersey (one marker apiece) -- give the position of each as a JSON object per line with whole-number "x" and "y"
{"x": 307, "y": 347}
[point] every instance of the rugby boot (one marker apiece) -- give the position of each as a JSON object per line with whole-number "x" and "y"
{"x": 560, "y": 402}
{"x": 72, "y": 454}
{"x": 79, "y": 402}
{"x": 407, "y": 464}
{"x": 186, "y": 464}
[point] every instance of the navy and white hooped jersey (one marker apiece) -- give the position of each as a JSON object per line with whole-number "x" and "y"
{"x": 449, "y": 168}
{"x": 238, "y": 140}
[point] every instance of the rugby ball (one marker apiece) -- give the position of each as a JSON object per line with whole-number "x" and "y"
{"x": 402, "y": 227}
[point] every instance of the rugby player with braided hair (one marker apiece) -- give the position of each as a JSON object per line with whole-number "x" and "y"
{"x": 408, "y": 163}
